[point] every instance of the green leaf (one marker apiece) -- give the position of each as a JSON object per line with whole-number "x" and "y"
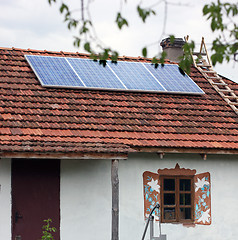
{"x": 114, "y": 57}
{"x": 77, "y": 42}
{"x": 163, "y": 57}
{"x": 105, "y": 54}
{"x": 172, "y": 37}
{"x": 50, "y": 1}
{"x": 94, "y": 57}
{"x": 213, "y": 25}
{"x": 205, "y": 10}
{"x": 144, "y": 13}
{"x": 47, "y": 233}
{"x": 186, "y": 60}
{"x": 121, "y": 21}
{"x": 85, "y": 27}
{"x": 72, "y": 23}
{"x": 64, "y": 7}
{"x": 235, "y": 10}
{"x": 154, "y": 60}
{"x": 144, "y": 52}
{"x": 87, "y": 47}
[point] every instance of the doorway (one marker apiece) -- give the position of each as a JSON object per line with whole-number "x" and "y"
{"x": 35, "y": 197}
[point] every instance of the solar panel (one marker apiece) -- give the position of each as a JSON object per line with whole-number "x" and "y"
{"x": 94, "y": 75}
{"x": 135, "y": 76}
{"x": 172, "y": 79}
{"x": 86, "y": 73}
{"x": 54, "y": 71}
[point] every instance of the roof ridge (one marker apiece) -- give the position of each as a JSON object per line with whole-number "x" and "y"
{"x": 139, "y": 58}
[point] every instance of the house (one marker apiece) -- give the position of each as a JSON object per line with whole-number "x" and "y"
{"x": 66, "y": 153}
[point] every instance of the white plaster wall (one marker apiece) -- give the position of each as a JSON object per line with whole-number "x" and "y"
{"x": 224, "y": 190}
{"x": 85, "y": 199}
{"x": 5, "y": 199}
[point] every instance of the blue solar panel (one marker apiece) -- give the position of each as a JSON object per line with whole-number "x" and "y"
{"x": 172, "y": 79}
{"x": 85, "y": 73}
{"x": 135, "y": 76}
{"x": 95, "y": 75}
{"x": 54, "y": 71}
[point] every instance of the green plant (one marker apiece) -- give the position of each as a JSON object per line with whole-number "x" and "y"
{"x": 48, "y": 230}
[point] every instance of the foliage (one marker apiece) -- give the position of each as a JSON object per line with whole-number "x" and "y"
{"x": 121, "y": 21}
{"x": 220, "y": 14}
{"x": 48, "y": 230}
{"x": 186, "y": 60}
{"x": 144, "y": 13}
{"x": 222, "y": 17}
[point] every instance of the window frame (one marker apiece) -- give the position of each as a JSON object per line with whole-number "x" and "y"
{"x": 201, "y": 201}
{"x": 177, "y": 193}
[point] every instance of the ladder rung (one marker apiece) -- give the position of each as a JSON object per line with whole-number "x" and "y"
{"x": 199, "y": 53}
{"x": 209, "y": 71}
{"x": 226, "y": 90}
{"x": 231, "y": 97}
{"x": 220, "y": 84}
{"x": 214, "y": 77}
{"x": 233, "y": 103}
{"x": 204, "y": 65}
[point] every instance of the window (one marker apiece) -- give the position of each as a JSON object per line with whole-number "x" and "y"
{"x": 183, "y": 195}
{"x": 176, "y": 199}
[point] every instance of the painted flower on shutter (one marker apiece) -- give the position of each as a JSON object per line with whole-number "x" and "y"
{"x": 202, "y": 198}
{"x": 205, "y": 217}
{"x": 200, "y": 183}
{"x": 154, "y": 185}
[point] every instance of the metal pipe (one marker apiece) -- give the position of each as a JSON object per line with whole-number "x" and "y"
{"x": 149, "y": 219}
{"x": 151, "y": 227}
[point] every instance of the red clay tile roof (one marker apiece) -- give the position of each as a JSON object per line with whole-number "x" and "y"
{"x": 34, "y": 119}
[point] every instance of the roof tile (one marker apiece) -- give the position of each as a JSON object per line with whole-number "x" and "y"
{"x": 38, "y": 119}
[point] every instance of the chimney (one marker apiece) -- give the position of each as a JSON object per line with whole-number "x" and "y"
{"x": 173, "y": 50}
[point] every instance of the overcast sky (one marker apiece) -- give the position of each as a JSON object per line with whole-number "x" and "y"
{"x": 36, "y": 25}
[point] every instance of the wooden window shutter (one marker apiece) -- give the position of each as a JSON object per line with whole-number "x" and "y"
{"x": 202, "y": 198}
{"x": 151, "y": 185}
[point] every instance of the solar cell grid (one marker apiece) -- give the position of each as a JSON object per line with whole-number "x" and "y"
{"x": 94, "y": 75}
{"x": 172, "y": 80}
{"x": 53, "y": 71}
{"x": 135, "y": 76}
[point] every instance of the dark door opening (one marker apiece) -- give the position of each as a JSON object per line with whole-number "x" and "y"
{"x": 35, "y": 197}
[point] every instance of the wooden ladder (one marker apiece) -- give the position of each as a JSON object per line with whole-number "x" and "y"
{"x": 202, "y": 62}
